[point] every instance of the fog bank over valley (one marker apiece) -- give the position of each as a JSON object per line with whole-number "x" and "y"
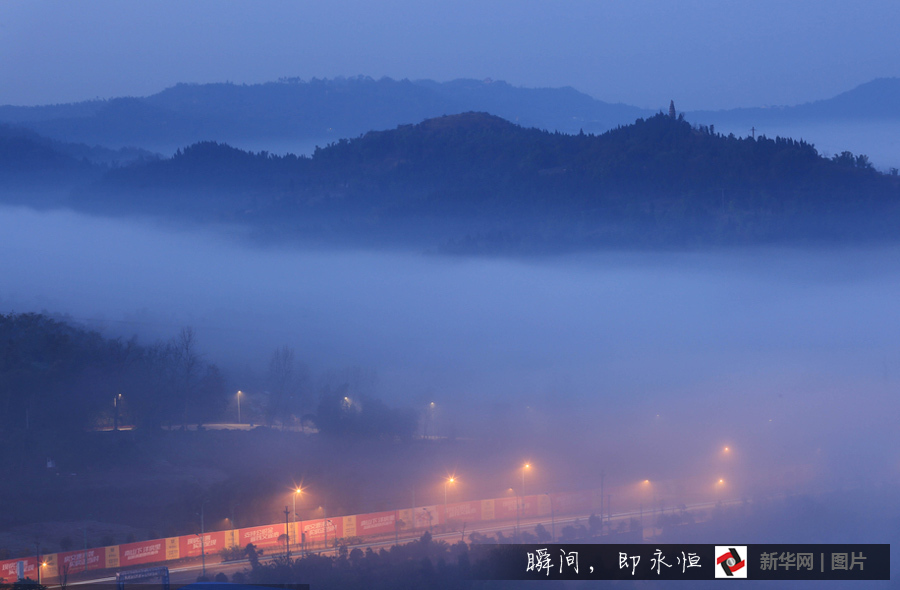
{"x": 791, "y": 353}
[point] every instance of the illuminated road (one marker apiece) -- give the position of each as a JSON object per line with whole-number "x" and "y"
{"x": 188, "y": 573}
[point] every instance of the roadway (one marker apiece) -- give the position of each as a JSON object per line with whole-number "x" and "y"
{"x": 188, "y": 573}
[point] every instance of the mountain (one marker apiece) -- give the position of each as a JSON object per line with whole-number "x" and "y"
{"x": 38, "y": 171}
{"x": 875, "y": 100}
{"x": 477, "y": 181}
{"x": 28, "y": 160}
{"x": 315, "y": 110}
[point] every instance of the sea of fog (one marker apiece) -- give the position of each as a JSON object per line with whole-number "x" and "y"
{"x": 796, "y": 352}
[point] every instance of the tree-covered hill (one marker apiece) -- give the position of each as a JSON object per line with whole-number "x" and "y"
{"x": 61, "y": 377}
{"x": 658, "y": 181}
{"x": 29, "y": 161}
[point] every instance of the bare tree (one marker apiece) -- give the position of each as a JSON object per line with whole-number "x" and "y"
{"x": 63, "y": 580}
{"x": 282, "y": 384}
{"x": 187, "y": 368}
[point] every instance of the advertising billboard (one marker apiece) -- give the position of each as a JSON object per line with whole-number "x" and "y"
{"x": 261, "y": 536}
{"x": 191, "y": 546}
{"x": 426, "y": 517}
{"x": 506, "y": 508}
{"x": 142, "y": 552}
{"x": 315, "y": 529}
{"x": 571, "y": 502}
{"x": 9, "y": 567}
{"x": 74, "y": 561}
{"x": 376, "y": 523}
{"x": 461, "y": 512}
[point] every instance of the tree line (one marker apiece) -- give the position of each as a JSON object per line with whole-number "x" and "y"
{"x": 660, "y": 179}
{"x": 58, "y": 376}
{"x": 54, "y": 375}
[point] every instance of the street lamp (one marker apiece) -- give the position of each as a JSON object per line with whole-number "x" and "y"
{"x": 239, "y": 393}
{"x": 38, "y": 559}
{"x": 517, "y": 510}
{"x": 202, "y": 536}
{"x": 325, "y": 522}
{"x": 525, "y": 468}
{"x": 553, "y": 519}
{"x": 296, "y": 493}
{"x": 116, "y": 417}
{"x": 447, "y": 481}
{"x": 429, "y": 417}
{"x": 649, "y": 487}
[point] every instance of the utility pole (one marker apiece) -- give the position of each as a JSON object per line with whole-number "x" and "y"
{"x": 85, "y": 547}
{"x": 325, "y": 523}
{"x": 608, "y": 512}
{"x": 553, "y": 519}
{"x": 287, "y": 531}
{"x": 37, "y": 554}
{"x": 202, "y": 539}
{"x": 517, "y": 517}
{"x": 601, "y": 502}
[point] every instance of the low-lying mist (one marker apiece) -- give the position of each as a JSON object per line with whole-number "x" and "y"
{"x": 644, "y": 365}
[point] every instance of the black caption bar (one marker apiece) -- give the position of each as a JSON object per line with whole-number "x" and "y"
{"x": 683, "y": 562}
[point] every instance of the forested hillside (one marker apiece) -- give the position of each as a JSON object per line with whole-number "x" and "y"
{"x": 55, "y": 375}
{"x": 658, "y": 181}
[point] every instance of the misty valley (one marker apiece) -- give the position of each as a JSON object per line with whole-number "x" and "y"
{"x": 440, "y": 332}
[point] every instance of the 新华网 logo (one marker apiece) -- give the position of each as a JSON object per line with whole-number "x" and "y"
{"x": 730, "y": 562}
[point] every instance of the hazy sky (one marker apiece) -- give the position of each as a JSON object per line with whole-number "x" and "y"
{"x": 704, "y": 54}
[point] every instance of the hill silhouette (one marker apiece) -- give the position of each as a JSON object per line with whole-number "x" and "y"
{"x": 659, "y": 181}
{"x": 320, "y": 110}
{"x": 876, "y": 100}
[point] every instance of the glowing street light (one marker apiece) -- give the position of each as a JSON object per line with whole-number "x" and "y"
{"x": 449, "y": 480}
{"x": 525, "y": 468}
{"x": 296, "y": 493}
{"x": 239, "y": 393}
{"x": 651, "y": 495}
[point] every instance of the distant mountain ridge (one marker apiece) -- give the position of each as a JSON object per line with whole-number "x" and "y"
{"x": 317, "y": 109}
{"x": 878, "y": 99}
{"x": 30, "y": 161}
{"x": 328, "y": 109}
